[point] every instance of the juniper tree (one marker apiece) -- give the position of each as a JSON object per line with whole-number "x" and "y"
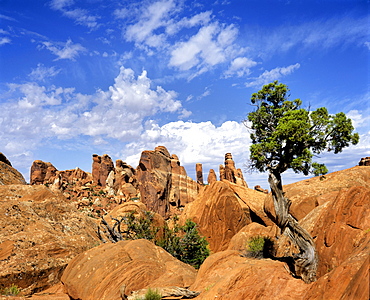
{"x": 286, "y": 136}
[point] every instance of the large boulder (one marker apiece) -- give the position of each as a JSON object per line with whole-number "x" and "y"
{"x": 40, "y": 233}
{"x": 218, "y": 214}
{"x": 341, "y": 229}
{"x": 110, "y": 270}
{"x": 42, "y": 172}
{"x": 228, "y": 275}
{"x": 9, "y": 175}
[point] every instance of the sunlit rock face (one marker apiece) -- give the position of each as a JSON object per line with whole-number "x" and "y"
{"x": 163, "y": 183}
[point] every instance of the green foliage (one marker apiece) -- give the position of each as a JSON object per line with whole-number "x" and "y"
{"x": 13, "y": 290}
{"x": 185, "y": 243}
{"x": 140, "y": 228}
{"x": 182, "y": 242}
{"x": 151, "y": 295}
{"x": 259, "y": 247}
{"x": 286, "y": 136}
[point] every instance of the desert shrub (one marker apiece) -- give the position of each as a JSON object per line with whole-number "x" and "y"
{"x": 152, "y": 295}
{"x": 13, "y": 290}
{"x": 140, "y": 228}
{"x": 182, "y": 242}
{"x": 185, "y": 243}
{"x": 259, "y": 247}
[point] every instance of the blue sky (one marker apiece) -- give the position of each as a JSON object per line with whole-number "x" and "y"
{"x": 79, "y": 77}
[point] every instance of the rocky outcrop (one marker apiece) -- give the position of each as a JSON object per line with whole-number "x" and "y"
{"x": 4, "y": 159}
{"x": 101, "y": 167}
{"x": 218, "y": 214}
{"x": 163, "y": 184}
{"x": 40, "y": 233}
{"x": 365, "y": 161}
{"x": 107, "y": 271}
{"x": 311, "y": 193}
{"x": 199, "y": 173}
{"x": 228, "y": 275}
{"x": 211, "y": 176}
{"x": 9, "y": 175}
{"x": 42, "y": 172}
{"x": 230, "y": 173}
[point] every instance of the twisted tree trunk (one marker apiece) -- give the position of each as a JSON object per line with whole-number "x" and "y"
{"x": 306, "y": 261}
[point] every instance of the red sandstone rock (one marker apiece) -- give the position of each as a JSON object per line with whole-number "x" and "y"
{"x": 228, "y": 275}
{"x": 365, "y": 161}
{"x": 9, "y": 175}
{"x": 103, "y": 272}
{"x": 41, "y": 172}
{"x": 218, "y": 213}
{"x": 230, "y": 173}
{"x": 239, "y": 241}
{"x": 310, "y": 193}
{"x": 211, "y": 176}
{"x": 199, "y": 172}
{"x": 96, "y": 168}
{"x": 4, "y": 159}
{"x": 259, "y": 189}
{"x": 42, "y": 232}
{"x": 163, "y": 183}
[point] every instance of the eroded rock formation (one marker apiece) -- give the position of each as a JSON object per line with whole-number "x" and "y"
{"x": 9, "y": 175}
{"x": 40, "y": 233}
{"x": 163, "y": 184}
{"x": 230, "y": 173}
{"x": 365, "y": 161}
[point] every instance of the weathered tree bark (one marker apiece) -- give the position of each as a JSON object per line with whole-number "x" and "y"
{"x": 306, "y": 261}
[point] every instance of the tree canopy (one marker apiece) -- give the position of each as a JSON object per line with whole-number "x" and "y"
{"x": 287, "y": 136}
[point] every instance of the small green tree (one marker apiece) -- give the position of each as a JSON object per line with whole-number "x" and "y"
{"x": 285, "y": 136}
{"x": 194, "y": 247}
{"x": 185, "y": 243}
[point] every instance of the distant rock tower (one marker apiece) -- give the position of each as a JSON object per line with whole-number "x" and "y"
{"x": 230, "y": 173}
{"x": 199, "y": 171}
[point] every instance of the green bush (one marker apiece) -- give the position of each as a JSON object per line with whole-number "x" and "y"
{"x": 259, "y": 247}
{"x": 182, "y": 242}
{"x": 152, "y": 295}
{"x": 185, "y": 243}
{"x": 140, "y": 228}
{"x": 13, "y": 290}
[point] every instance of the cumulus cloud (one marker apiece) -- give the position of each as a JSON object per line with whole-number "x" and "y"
{"x": 212, "y": 45}
{"x": 240, "y": 67}
{"x": 155, "y": 26}
{"x": 274, "y": 74}
{"x": 34, "y": 113}
{"x": 67, "y": 50}
{"x": 194, "y": 142}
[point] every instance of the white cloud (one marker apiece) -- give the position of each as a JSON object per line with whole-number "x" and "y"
{"x": 274, "y": 74}
{"x": 314, "y": 35}
{"x": 211, "y": 46}
{"x": 69, "y": 50}
{"x": 194, "y": 143}
{"x": 367, "y": 44}
{"x": 152, "y": 18}
{"x": 41, "y": 73}
{"x": 81, "y": 16}
{"x": 33, "y": 113}
{"x": 240, "y": 67}
{"x": 5, "y": 40}
{"x": 60, "y": 4}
